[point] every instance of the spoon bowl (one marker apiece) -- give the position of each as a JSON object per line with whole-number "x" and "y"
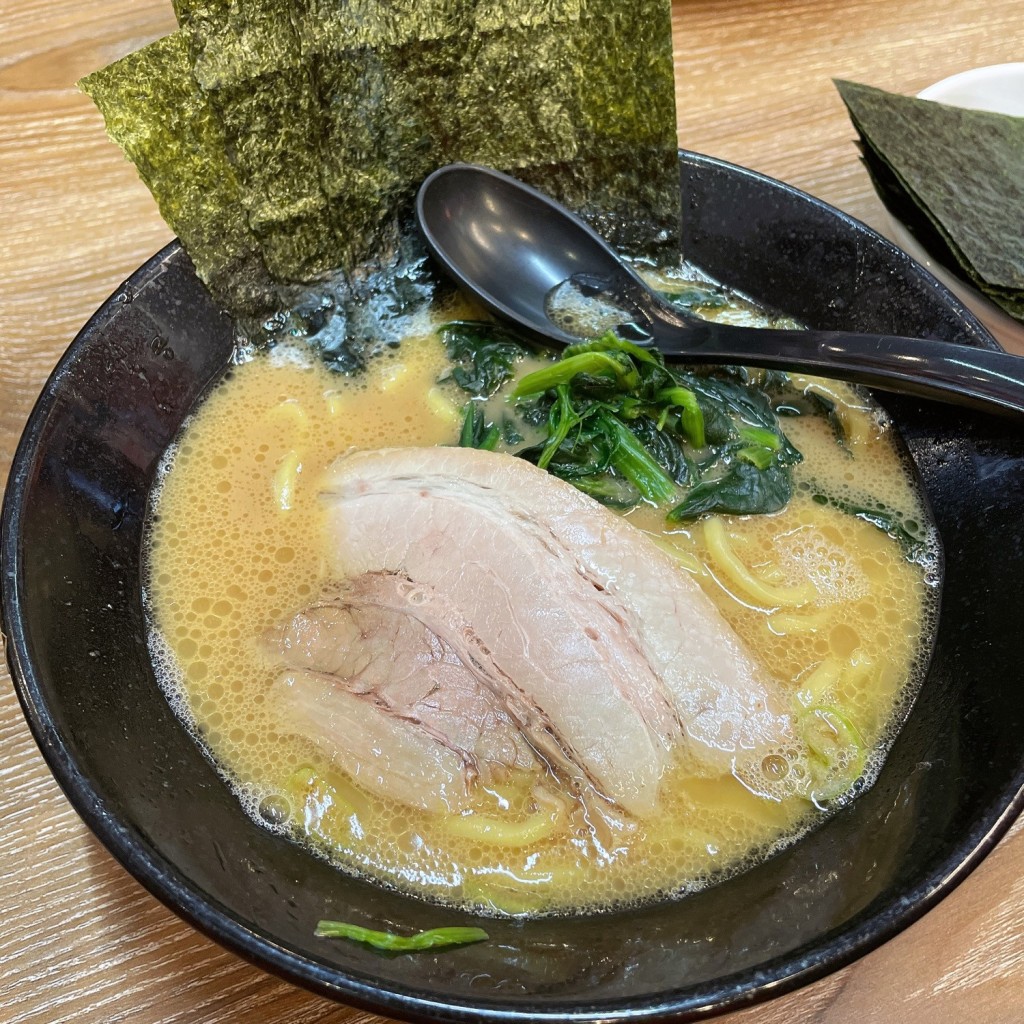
{"x": 499, "y": 240}
{"x": 510, "y": 247}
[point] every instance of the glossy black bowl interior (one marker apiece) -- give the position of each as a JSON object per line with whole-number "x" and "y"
{"x": 73, "y": 616}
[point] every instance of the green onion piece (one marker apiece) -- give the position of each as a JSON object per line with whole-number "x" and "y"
{"x": 836, "y": 743}
{"x": 434, "y": 938}
{"x": 596, "y": 364}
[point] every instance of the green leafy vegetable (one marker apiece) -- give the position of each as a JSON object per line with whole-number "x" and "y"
{"x": 667, "y": 447}
{"x": 615, "y": 368}
{"x": 838, "y": 751}
{"x": 484, "y": 354}
{"x": 828, "y": 407}
{"x": 691, "y": 418}
{"x": 622, "y": 423}
{"x": 631, "y": 459}
{"x": 613, "y": 491}
{"x": 908, "y": 535}
{"x": 561, "y": 419}
{"x": 743, "y": 489}
{"x": 476, "y": 432}
{"x": 434, "y": 938}
{"x": 697, "y": 297}
{"x": 761, "y": 438}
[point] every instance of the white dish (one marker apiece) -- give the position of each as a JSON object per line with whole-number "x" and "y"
{"x": 1000, "y": 89}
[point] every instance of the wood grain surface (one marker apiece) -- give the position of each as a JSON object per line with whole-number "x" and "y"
{"x": 82, "y": 941}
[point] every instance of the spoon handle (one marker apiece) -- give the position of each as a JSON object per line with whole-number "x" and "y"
{"x": 958, "y": 374}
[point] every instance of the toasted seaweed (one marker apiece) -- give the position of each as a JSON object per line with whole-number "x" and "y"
{"x": 326, "y": 116}
{"x": 931, "y": 237}
{"x": 581, "y": 105}
{"x": 167, "y": 129}
{"x": 955, "y": 177}
{"x": 247, "y": 60}
{"x": 327, "y": 26}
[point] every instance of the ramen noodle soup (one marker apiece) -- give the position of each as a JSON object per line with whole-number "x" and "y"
{"x": 827, "y": 606}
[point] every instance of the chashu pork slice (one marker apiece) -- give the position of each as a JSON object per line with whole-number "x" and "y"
{"x": 379, "y": 675}
{"x": 599, "y": 650}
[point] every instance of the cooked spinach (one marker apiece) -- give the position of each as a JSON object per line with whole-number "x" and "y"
{"x": 588, "y": 440}
{"x": 433, "y": 938}
{"x": 625, "y": 427}
{"x": 666, "y": 448}
{"x": 484, "y": 354}
{"x": 814, "y": 402}
{"x": 743, "y": 489}
{"x": 476, "y": 432}
{"x": 907, "y": 534}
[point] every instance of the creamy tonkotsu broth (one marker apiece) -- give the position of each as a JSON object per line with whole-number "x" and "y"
{"x": 829, "y": 603}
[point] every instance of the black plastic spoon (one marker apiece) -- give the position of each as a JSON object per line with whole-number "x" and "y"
{"x": 510, "y": 247}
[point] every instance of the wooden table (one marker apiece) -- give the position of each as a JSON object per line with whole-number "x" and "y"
{"x": 80, "y": 940}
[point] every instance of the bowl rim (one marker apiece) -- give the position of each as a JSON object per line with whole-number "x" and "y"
{"x": 165, "y": 881}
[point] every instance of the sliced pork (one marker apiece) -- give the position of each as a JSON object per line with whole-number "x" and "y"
{"x": 375, "y": 679}
{"x": 489, "y": 616}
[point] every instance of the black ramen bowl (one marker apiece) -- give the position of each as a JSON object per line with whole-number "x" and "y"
{"x": 73, "y": 614}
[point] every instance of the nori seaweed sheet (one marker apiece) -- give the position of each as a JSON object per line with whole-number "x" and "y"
{"x": 247, "y": 61}
{"x": 329, "y": 113}
{"x": 328, "y": 26}
{"x": 579, "y": 102}
{"x": 955, "y": 176}
{"x": 154, "y": 112}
